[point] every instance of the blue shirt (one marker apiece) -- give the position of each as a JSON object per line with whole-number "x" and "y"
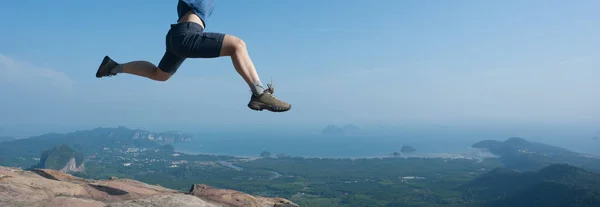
{"x": 202, "y": 8}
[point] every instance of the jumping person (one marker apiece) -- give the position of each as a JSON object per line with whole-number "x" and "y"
{"x": 187, "y": 39}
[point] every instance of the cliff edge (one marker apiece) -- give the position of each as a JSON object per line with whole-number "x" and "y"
{"x": 52, "y": 188}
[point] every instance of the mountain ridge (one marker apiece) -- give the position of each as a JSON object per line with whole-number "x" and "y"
{"x": 86, "y": 141}
{"x": 519, "y": 153}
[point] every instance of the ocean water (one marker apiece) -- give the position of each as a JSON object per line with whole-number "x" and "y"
{"x": 317, "y": 145}
{"x": 426, "y": 142}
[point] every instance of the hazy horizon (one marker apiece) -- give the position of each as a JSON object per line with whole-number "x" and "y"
{"x": 380, "y": 136}
{"x": 405, "y": 64}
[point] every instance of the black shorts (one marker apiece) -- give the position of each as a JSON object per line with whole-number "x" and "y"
{"x": 188, "y": 40}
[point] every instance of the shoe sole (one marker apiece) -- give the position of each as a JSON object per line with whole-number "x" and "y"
{"x": 268, "y": 108}
{"x": 100, "y": 70}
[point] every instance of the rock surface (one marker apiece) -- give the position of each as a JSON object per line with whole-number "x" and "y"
{"x": 51, "y": 188}
{"x": 72, "y": 166}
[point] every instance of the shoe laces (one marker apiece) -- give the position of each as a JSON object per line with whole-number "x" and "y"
{"x": 270, "y": 87}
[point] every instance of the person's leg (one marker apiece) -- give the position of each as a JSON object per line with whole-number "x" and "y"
{"x": 168, "y": 65}
{"x": 187, "y": 40}
{"x": 194, "y": 43}
{"x": 140, "y": 68}
{"x": 236, "y": 48}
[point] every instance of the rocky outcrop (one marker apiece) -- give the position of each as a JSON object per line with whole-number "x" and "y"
{"x": 51, "y": 188}
{"x": 62, "y": 158}
{"x": 71, "y": 166}
{"x": 235, "y": 198}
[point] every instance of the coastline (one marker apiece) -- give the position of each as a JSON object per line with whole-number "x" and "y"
{"x": 471, "y": 154}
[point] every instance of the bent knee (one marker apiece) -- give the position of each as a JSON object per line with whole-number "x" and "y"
{"x": 239, "y": 44}
{"x": 232, "y": 45}
{"x": 160, "y": 75}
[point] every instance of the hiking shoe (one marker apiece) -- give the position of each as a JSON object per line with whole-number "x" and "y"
{"x": 106, "y": 67}
{"x": 267, "y": 101}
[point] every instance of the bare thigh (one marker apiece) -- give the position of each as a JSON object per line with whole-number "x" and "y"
{"x": 231, "y": 45}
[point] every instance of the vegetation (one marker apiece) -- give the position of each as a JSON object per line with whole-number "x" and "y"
{"x": 25, "y": 152}
{"x": 57, "y": 157}
{"x": 370, "y": 182}
{"x": 392, "y": 181}
{"x": 518, "y": 153}
{"x": 555, "y": 185}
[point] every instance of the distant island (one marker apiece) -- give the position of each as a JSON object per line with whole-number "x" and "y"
{"x": 344, "y": 130}
{"x": 405, "y": 150}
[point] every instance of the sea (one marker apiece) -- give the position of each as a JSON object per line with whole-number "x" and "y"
{"x": 430, "y": 143}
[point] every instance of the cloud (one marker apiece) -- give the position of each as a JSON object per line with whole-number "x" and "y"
{"x": 32, "y": 94}
{"x": 22, "y": 76}
{"x": 572, "y": 61}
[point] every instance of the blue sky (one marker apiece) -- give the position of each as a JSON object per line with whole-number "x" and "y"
{"x": 391, "y": 62}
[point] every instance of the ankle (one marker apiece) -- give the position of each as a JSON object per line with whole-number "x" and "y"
{"x": 117, "y": 69}
{"x": 257, "y": 88}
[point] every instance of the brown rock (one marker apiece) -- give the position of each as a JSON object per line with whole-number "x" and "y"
{"x": 236, "y": 198}
{"x": 71, "y": 202}
{"x": 51, "y": 188}
{"x": 57, "y": 175}
{"x": 276, "y": 202}
{"x": 178, "y": 200}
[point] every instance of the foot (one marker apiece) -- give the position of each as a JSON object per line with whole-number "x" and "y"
{"x": 106, "y": 67}
{"x": 267, "y": 101}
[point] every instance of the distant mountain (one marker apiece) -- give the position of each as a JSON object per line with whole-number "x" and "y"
{"x": 332, "y": 129}
{"x": 550, "y": 194}
{"x": 87, "y": 141}
{"x": 554, "y": 185}
{"x": 518, "y": 153}
{"x": 351, "y": 128}
{"x": 61, "y": 158}
{"x": 519, "y": 145}
{"x": 344, "y": 130}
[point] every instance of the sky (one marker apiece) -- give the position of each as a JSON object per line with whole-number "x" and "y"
{"x": 390, "y": 62}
